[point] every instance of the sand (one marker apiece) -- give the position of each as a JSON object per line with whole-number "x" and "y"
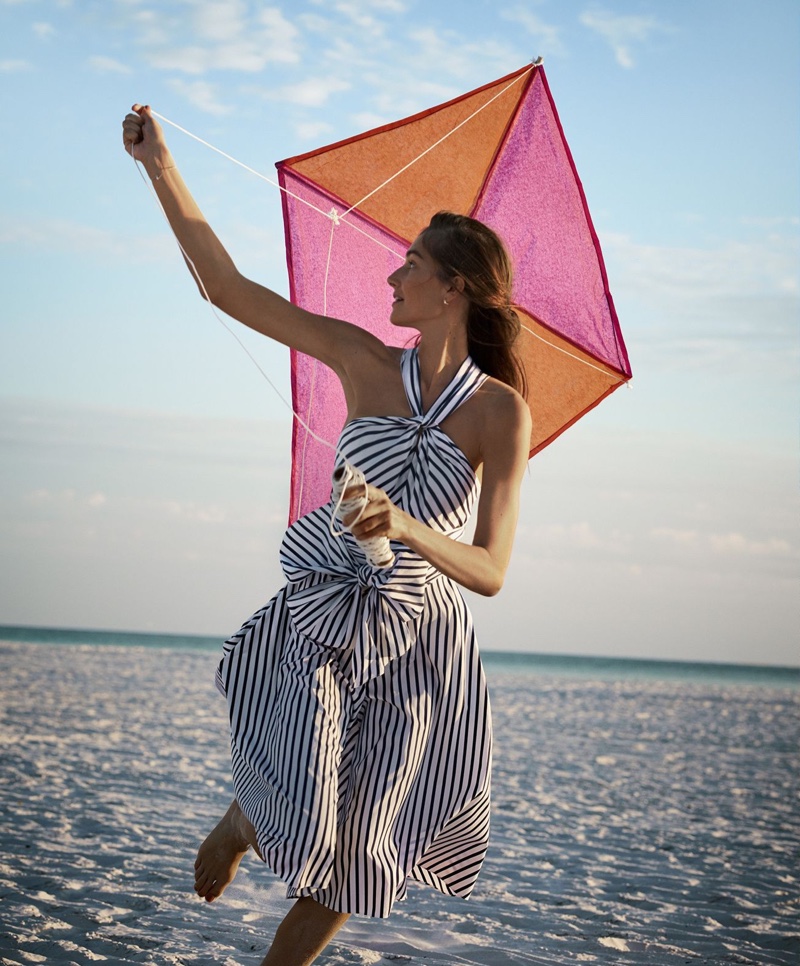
{"x": 650, "y": 822}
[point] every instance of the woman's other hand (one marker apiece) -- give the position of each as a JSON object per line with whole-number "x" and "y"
{"x": 380, "y": 517}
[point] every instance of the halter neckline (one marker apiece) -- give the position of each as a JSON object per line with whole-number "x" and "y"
{"x": 467, "y": 379}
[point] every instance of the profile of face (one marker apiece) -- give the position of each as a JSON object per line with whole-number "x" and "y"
{"x": 419, "y": 291}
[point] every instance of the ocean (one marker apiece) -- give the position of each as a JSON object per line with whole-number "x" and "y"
{"x": 644, "y": 813}
{"x": 600, "y": 668}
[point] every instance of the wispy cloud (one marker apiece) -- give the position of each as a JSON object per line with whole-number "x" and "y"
{"x": 361, "y": 14}
{"x": 738, "y": 544}
{"x": 61, "y": 235}
{"x": 722, "y": 549}
{"x": 399, "y": 64}
{"x": 547, "y": 36}
{"x": 621, "y": 31}
{"x": 15, "y": 65}
{"x": 766, "y": 266}
{"x": 315, "y": 131}
{"x": 43, "y": 30}
{"x": 108, "y": 65}
{"x": 454, "y": 54}
{"x": 224, "y": 37}
{"x": 716, "y": 305}
{"x": 309, "y": 92}
{"x": 202, "y": 94}
{"x": 44, "y": 497}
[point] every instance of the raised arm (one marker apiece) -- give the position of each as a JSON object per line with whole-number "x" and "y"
{"x": 332, "y": 341}
{"x": 480, "y": 566}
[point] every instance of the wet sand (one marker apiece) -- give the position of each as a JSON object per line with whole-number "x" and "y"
{"x": 652, "y": 822}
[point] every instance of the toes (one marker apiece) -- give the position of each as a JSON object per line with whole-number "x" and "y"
{"x": 202, "y": 882}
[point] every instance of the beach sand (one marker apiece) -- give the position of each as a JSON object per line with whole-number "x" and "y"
{"x": 652, "y": 822}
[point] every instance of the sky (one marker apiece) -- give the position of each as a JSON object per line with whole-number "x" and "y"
{"x": 144, "y": 459}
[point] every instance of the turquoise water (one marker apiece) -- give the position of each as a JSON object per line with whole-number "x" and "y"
{"x": 563, "y": 665}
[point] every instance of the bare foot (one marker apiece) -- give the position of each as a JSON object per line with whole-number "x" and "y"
{"x": 219, "y": 856}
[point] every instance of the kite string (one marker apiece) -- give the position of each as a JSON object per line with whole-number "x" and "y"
{"x": 241, "y": 164}
{"x": 219, "y": 318}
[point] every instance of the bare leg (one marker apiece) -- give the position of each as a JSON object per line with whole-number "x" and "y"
{"x": 304, "y": 933}
{"x": 220, "y": 854}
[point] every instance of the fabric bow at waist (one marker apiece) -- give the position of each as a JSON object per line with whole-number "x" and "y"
{"x": 365, "y": 613}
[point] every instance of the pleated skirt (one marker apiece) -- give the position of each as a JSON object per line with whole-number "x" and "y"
{"x": 354, "y": 790}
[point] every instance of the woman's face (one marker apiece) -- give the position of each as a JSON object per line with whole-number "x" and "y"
{"x": 419, "y": 293}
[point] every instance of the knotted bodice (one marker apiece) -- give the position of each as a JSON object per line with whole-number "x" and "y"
{"x": 335, "y": 597}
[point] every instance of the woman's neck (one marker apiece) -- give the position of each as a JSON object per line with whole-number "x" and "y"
{"x": 440, "y": 356}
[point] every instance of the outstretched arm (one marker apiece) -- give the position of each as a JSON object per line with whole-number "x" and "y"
{"x": 332, "y": 341}
{"x": 480, "y": 566}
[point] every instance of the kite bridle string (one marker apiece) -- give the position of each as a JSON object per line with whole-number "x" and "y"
{"x": 566, "y": 352}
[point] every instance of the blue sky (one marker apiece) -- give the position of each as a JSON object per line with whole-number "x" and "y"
{"x": 145, "y": 460}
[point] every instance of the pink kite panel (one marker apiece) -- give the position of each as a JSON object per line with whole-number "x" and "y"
{"x": 559, "y": 276}
{"x": 362, "y": 256}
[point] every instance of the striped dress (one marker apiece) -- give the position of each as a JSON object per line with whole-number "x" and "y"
{"x": 360, "y": 727}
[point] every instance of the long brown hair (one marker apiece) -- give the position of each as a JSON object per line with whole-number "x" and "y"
{"x": 471, "y": 250}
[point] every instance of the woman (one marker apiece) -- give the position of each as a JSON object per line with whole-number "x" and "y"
{"x": 358, "y": 707}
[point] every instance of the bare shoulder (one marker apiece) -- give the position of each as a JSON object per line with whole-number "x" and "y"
{"x": 504, "y": 422}
{"x": 503, "y": 408}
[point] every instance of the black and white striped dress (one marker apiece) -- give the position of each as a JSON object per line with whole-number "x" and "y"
{"x": 360, "y": 727}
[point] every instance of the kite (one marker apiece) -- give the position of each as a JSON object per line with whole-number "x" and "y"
{"x": 498, "y": 154}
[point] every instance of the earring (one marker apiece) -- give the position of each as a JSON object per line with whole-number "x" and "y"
{"x": 445, "y": 302}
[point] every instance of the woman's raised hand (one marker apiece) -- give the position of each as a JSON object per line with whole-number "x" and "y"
{"x": 144, "y": 140}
